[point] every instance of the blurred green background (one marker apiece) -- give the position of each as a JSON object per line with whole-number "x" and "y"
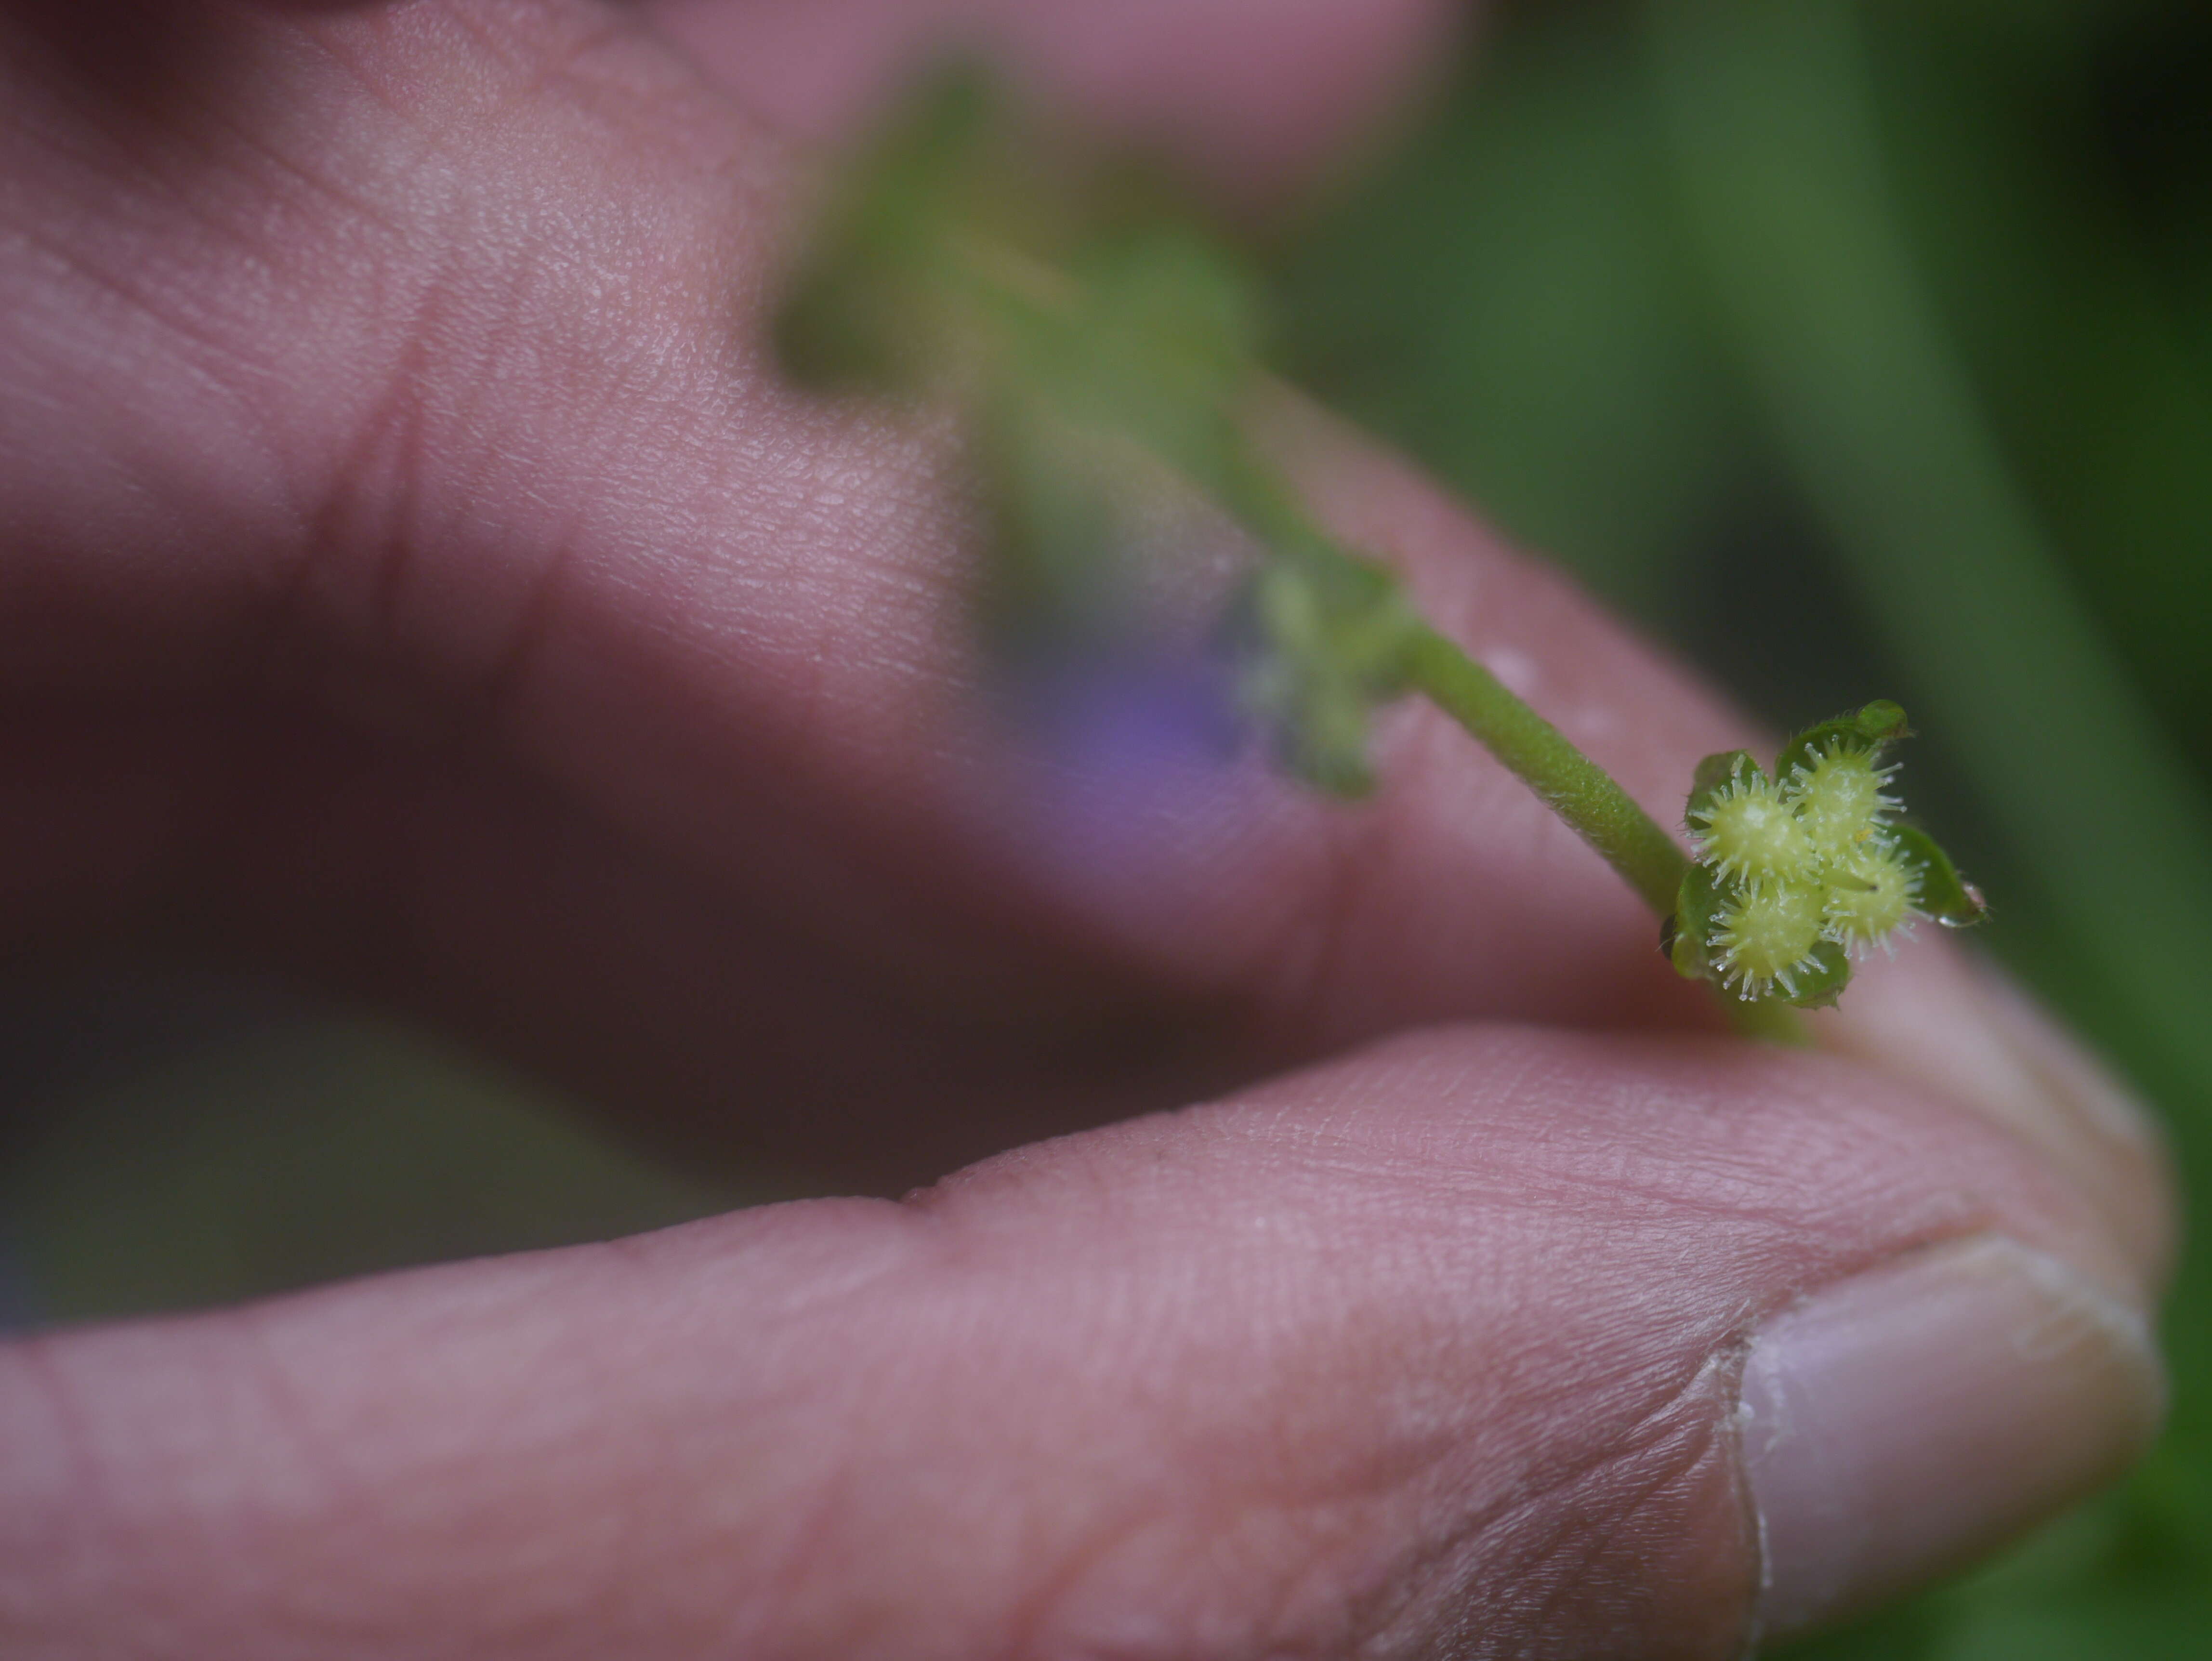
{"x": 1857, "y": 348}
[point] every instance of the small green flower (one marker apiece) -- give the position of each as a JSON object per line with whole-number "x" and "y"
{"x": 1872, "y": 893}
{"x": 1840, "y": 800}
{"x": 1764, "y": 936}
{"x": 1749, "y": 831}
{"x": 1801, "y": 870}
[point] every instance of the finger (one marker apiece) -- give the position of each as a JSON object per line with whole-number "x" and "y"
{"x": 1259, "y": 96}
{"x": 425, "y": 403}
{"x": 1440, "y": 1347}
{"x": 456, "y": 888}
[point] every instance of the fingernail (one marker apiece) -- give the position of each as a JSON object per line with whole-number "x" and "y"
{"x": 1901, "y": 1423}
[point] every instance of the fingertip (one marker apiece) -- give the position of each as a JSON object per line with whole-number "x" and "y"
{"x": 1907, "y": 1420}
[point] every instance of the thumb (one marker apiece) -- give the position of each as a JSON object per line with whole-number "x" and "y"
{"x": 1488, "y": 1342}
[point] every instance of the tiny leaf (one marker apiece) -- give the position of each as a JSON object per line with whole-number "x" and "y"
{"x": 1715, "y": 774}
{"x": 1867, "y": 728}
{"x": 1692, "y": 926}
{"x": 869, "y": 309}
{"x": 1823, "y": 984}
{"x": 1944, "y": 894}
{"x": 1165, "y": 344}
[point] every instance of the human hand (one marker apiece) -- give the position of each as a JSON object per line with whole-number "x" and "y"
{"x": 414, "y": 579}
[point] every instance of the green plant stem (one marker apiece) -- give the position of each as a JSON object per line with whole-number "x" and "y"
{"x": 1768, "y": 1019}
{"x": 1573, "y": 786}
{"x": 1568, "y": 781}
{"x": 1579, "y": 791}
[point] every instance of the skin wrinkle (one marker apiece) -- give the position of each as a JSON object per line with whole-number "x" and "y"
{"x": 94, "y": 1511}
{"x": 1272, "y": 1618}
{"x": 321, "y": 186}
{"x": 1470, "y": 1549}
{"x": 575, "y": 67}
{"x": 1102, "y": 1539}
{"x": 237, "y": 395}
{"x": 289, "y": 1419}
{"x": 1573, "y": 1551}
{"x": 1042, "y": 1625}
{"x": 1151, "y": 1216}
{"x": 485, "y": 686}
{"x": 1652, "y": 1418}
{"x": 1028, "y": 1621}
{"x": 139, "y": 297}
{"x": 627, "y": 1550}
{"x": 389, "y": 463}
{"x": 400, "y": 455}
{"x": 425, "y": 1526}
{"x": 394, "y": 560}
{"x": 508, "y": 689}
{"x": 809, "y": 1546}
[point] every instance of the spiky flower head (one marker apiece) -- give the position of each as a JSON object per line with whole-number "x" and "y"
{"x": 1763, "y": 938}
{"x": 1841, "y": 801}
{"x": 1870, "y": 896}
{"x": 1750, "y": 832}
{"x": 1800, "y": 870}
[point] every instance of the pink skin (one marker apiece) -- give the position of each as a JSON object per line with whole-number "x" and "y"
{"x": 410, "y": 576}
{"x": 1255, "y": 95}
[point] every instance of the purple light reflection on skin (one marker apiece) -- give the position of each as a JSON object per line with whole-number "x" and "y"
{"x": 1138, "y": 779}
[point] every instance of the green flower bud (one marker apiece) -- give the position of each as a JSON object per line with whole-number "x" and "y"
{"x": 1748, "y": 831}
{"x": 1870, "y": 896}
{"x": 1764, "y": 937}
{"x": 1841, "y": 802}
{"x": 1800, "y": 870}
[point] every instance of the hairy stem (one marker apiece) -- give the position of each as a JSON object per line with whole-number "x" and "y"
{"x": 1579, "y": 791}
{"x": 1573, "y": 786}
{"x": 1569, "y": 782}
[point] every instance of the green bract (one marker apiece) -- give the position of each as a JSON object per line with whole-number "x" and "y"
{"x": 1799, "y": 870}
{"x": 1320, "y": 646}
